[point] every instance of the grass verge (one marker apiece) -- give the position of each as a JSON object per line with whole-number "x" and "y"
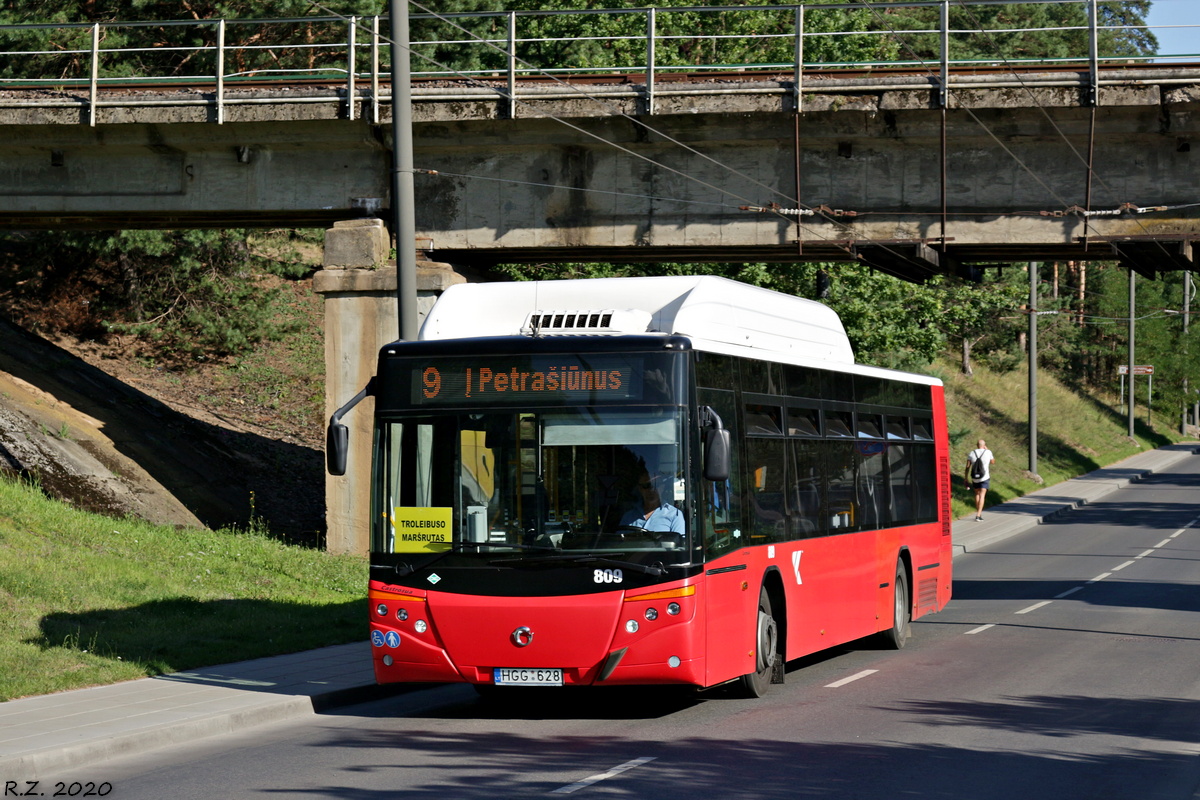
{"x": 89, "y": 600}
{"x": 1077, "y": 433}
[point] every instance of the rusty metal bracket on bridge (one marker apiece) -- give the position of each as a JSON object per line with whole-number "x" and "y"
{"x": 821, "y": 210}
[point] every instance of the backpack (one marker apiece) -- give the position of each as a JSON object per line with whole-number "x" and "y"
{"x": 978, "y": 469}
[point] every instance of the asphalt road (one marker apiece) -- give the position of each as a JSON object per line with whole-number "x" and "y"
{"x": 1067, "y": 666}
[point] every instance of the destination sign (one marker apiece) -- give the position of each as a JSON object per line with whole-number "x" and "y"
{"x": 512, "y": 380}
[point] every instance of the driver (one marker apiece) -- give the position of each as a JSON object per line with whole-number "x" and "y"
{"x": 652, "y": 513}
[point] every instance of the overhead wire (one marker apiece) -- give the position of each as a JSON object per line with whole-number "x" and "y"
{"x": 938, "y": 80}
{"x": 823, "y": 212}
{"x": 575, "y": 89}
{"x": 830, "y": 215}
{"x": 1073, "y": 209}
{"x": 1083, "y": 212}
{"x": 617, "y": 112}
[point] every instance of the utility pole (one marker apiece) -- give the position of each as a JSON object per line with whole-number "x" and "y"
{"x": 1131, "y": 311}
{"x": 1033, "y": 327}
{"x": 1187, "y": 302}
{"x": 404, "y": 225}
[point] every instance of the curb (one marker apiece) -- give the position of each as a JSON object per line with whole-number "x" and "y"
{"x": 274, "y": 708}
{"x": 51, "y": 761}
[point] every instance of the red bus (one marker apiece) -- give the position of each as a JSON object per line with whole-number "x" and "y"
{"x": 670, "y": 480}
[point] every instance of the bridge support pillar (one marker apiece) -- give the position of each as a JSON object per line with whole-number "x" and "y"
{"x": 361, "y": 316}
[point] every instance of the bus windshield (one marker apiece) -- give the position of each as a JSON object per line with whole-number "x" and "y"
{"x": 532, "y": 483}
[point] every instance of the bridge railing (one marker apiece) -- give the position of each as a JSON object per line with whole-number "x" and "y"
{"x": 72, "y": 64}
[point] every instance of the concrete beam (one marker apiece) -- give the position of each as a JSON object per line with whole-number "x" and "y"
{"x": 1024, "y": 165}
{"x": 190, "y": 175}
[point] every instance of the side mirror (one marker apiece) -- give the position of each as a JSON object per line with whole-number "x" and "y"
{"x": 337, "y": 435}
{"x": 337, "y": 445}
{"x": 716, "y": 446}
{"x": 716, "y": 455}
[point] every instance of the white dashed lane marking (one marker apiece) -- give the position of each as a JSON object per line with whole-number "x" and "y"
{"x": 1034, "y": 607}
{"x": 851, "y": 678}
{"x": 1070, "y": 591}
{"x": 617, "y": 770}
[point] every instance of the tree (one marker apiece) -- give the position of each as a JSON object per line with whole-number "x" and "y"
{"x": 191, "y": 294}
{"x": 982, "y": 315}
{"x": 168, "y": 50}
{"x": 1018, "y": 31}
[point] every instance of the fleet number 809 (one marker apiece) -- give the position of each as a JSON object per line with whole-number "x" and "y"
{"x": 608, "y": 576}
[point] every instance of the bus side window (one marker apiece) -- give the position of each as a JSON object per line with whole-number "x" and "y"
{"x": 807, "y": 487}
{"x": 770, "y": 511}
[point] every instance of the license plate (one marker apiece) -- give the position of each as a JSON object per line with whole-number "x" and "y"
{"x": 528, "y": 677}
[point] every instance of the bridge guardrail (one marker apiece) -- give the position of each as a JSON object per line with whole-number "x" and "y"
{"x": 491, "y": 52}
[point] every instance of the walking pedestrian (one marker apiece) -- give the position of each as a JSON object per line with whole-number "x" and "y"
{"x": 979, "y": 474}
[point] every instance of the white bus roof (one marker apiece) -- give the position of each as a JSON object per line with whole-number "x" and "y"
{"x": 717, "y": 314}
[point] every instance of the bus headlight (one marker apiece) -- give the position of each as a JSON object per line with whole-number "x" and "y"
{"x": 631, "y": 626}
{"x": 673, "y": 609}
{"x": 652, "y": 614}
{"x": 381, "y": 610}
{"x": 402, "y": 614}
{"x": 420, "y": 626}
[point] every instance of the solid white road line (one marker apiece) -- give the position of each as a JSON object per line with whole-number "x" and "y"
{"x": 617, "y": 770}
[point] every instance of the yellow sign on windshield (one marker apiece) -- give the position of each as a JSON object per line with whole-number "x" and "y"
{"x": 422, "y": 529}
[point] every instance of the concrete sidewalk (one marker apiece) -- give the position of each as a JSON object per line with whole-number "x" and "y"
{"x": 44, "y": 736}
{"x": 1019, "y": 515}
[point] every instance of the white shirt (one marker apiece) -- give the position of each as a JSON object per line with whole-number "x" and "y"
{"x": 665, "y": 518}
{"x": 987, "y": 457}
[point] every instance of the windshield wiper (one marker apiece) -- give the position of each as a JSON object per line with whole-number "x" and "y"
{"x": 540, "y": 547}
{"x": 404, "y": 568}
{"x": 585, "y": 558}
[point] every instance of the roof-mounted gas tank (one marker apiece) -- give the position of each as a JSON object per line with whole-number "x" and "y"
{"x": 715, "y": 313}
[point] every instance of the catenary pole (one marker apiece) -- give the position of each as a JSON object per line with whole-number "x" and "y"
{"x": 404, "y": 225}
{"x": 1131, "y": 314}
{"x": 1033, "y": 331}
{"x": 1187, "y": 312}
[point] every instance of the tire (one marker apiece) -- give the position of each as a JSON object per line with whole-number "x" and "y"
{"x": 766, "y": 649}
{"x": 894, "y": 637}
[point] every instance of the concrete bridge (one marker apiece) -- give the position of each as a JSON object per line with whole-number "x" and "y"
{"x": 1041, "y": 166}
{"x": 1010, "y": 168}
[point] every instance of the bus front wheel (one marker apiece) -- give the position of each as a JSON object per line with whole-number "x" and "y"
{"x": 766, "y": 648}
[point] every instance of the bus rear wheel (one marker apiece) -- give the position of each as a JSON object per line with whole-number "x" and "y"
{"x": 895, "y": 636}
{"x": 766, "y": 649}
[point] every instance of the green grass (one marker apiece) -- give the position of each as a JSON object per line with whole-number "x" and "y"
{"x": 1077, "y": 433}
{"x": 88, "y": 600}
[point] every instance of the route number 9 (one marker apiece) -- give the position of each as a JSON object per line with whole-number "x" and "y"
{"x": 432, "y": 380}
